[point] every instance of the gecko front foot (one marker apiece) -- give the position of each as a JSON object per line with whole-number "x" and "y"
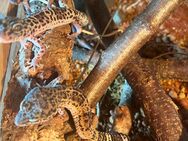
{"x": 33, "y": 66}
{"x": 76, "y": 30}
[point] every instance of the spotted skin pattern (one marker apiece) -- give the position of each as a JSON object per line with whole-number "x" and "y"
{"x": 28, "y": 29}
{"x": 42, "y": 104}
{"x": 15, "y": 29}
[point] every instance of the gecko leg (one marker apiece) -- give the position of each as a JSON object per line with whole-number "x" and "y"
{"x": 25, "y": 55}
{"x": 50, "y": 2}
{"x": 77, "y": 29}
{"x": 38, "y": 56}
{"x": 27, "y": 45}
{"x": 56, "y": 82}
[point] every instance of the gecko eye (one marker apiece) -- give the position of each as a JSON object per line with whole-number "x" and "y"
{"x": 17, "y": 27}
{"x": 25, "y": 106}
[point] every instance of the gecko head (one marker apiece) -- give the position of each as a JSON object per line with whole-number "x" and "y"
{"x": 11, "y": 29}
{"x": 36, "y": 107}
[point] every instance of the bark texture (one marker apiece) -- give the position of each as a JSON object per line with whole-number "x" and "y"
{"x": 117, "y": 55}
{"x": 160, "y": 110}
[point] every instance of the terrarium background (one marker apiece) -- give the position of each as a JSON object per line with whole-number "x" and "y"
{"x": 7, "y": 53}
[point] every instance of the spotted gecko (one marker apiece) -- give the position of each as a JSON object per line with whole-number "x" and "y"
{"x": 42, "y": 104}
{"x": 30, "y": 28}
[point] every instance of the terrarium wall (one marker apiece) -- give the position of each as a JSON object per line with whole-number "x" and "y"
{"x": 7, "y": 54}
{"x": 4, "y": 48}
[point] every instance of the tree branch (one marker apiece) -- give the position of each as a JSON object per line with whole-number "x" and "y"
{"x": 117, "y": 55}
{"x": 163, "y": 69}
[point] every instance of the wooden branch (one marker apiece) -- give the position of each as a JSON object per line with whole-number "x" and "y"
{"x": 163, "y": 69}
{"x": 119, "y": 52}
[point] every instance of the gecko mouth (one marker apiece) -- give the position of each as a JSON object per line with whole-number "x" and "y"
{"x": 21, "y": 120}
